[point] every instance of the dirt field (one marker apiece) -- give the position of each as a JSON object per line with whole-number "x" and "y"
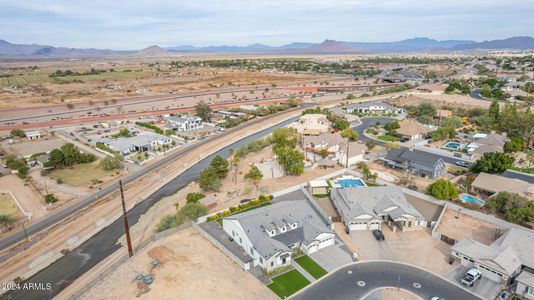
{"x": 7, "y": 205}
{"x": 441, "y": 100}
{"x": 83, "y": 174}
{"x": 24, "y": 147}
{"x": 466, "y": 227}
{"x": 191, "y": 268}
{"x": 30, "y": 200}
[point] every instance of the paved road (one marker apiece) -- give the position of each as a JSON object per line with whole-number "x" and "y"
{"x": 343, "y": 283}
{"x": 367, "y": 122}
{"x": 475, "y": 94}
{"x": 518, "y": 175}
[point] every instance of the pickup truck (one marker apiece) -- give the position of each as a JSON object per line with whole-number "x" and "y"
{"x": 471, "y": 277}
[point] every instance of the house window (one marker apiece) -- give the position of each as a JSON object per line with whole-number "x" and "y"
{"x": 272, "y": 263}
{"x": 410, "y": 224}
{"x": 530, "y": 291}
{"x": 261, "y": 260}
{"x": 251, "y": 251}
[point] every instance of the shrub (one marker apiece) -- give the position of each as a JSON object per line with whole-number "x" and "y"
{"x": 442, "y": 189}
{"x": 194, "y": 197}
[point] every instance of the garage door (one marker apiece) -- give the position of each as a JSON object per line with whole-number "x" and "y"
{"x": 373, "y": 226}
{"x": 326, "y": 243}
{"x": 358, "y": 226}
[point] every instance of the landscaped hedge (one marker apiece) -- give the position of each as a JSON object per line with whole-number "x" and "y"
{"x": 235, "y": 209}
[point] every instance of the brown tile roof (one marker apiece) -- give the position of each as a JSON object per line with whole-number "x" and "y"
{"x": 411, "y": 127}
{"x": 496, "y": 183}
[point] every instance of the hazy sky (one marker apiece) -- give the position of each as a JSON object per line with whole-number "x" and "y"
{"x": 135, "y": 24}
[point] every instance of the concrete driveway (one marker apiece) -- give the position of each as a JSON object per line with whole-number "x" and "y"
{"x": 484, "y": 287}
{"x": 371, "y": 248}
{"x": 332, "y": 257}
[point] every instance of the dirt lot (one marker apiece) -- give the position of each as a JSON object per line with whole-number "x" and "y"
{"x": 83, "y": 174}
{"x": 191, "y": 268}
{"x": 30, "y": 200}
{"x": 8, "y": 205}
{"x": 441, "y": 100}
{"x": 24, "y": 147}
{"x": 466, "y": 227}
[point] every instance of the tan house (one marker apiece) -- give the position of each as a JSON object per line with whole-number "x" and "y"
{"x": 412, "y": 130}
{"x": 492, "y": 142}
{"x": 312, "y": 124}
{"x": 490, "y": 184}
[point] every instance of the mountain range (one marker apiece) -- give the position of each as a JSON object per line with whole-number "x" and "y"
{"x": 420, "y": 44}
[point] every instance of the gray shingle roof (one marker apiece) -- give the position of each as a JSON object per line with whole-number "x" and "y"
{"x": 421, "y": 158}
{"x": 256, "y": 223}
{"x": 353, "y": 202}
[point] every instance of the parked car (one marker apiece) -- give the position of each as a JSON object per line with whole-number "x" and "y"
{"x": 457, "y": 154}
{"x": 471, "y": 277}
{"x": 243, "y": 201}
{"x": 436, "y": 298}
{"x": 379, "y": 236}
{"x": 462, "y": 164}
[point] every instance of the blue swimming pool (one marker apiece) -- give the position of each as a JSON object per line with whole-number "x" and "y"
{"x": 472, "y": 199}
{"x": 452, "y": 146}
{"x": 350, "y": 182}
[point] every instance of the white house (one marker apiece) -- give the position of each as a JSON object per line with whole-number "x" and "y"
{"x": 270, "y": 234}
{"x": 312, "y": 124}
{"x": 367, "y": 208}
{"x": 184, "y": 123}
{"x": 144, "y": 141}
{"x": 373, "y": 108}
{"x": 329, "y": 142}
{"x": 503, "y": 259}
{"x": 33, "y": 135}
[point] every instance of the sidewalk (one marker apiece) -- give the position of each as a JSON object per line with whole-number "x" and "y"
{"x": 302, "y": 271}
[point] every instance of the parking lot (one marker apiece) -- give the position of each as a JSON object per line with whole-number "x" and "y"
{"x": 484, "y": 287}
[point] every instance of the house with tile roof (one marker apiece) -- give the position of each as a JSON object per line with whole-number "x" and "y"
{"x": 491, "y": 184}
{"x": 367, "y": 208}
{"x": 412, "y": 130}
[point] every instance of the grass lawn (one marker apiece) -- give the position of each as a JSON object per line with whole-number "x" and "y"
{"x": 523, "y": 170}
{"x": 81, "y": 174}
{"x": 311, "y": 266}
{"x": 8, "y": 205}
{"x": 387, "y": 138}
{"x": 219, "y": 220}
{"x": 288, "y": 283}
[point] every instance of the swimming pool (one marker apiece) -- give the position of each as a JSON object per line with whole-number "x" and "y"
{"x": 348, "y": 182}
{"x": 452, "y": 146}
{"x": 472, "y": 200}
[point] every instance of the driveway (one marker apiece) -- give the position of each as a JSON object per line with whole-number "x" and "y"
{"x": 332, "y": 257}
{"x": 370, "y": 248}
{"x": 485, "y": 287}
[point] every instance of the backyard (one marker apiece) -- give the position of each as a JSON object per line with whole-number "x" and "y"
{"x": 8, "y": 205}
{"x": 288, "y": 283}
{"x": 311, "y": 266}
{"x": 81, "y": 174}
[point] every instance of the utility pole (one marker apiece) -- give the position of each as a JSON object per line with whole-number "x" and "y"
{"x": 126, "y": 226}
{"x": 25, "y": 234}
{"x": 347, "y": 155}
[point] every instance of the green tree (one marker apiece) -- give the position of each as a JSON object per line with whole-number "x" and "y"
{"x": 341, "y": 124}
{"x": 18, "y": 164}
{"x": 50, "y": 198}
{"x": 392, "y": 126}
{"x": 515, "y": 144}
{"x": 194, "y": 197}
{"x": 220, "y": 165}
{"x": 323, "y": 153}
{"x": 255, "y": 175}
{"x": 442, "y": 189}
{"x": 111, "y": 162}
{"x": 493, "y": 162}
{"x": 350, "y": 134}
{"x": 494, "y": 110}
{"x": 291, "y": 160}
{"x": 203, "y": 110}
{"x": 209, "y": 180}
{"x": 7, "y": 221}
{"x": 18, "y": 133}
{"x": 516, "y": 208}
{"x": 191, "y": 211}
{"x": 530, "y": 156}
{"x": 426, "y": 110}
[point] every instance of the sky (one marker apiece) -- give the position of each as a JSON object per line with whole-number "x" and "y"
{"x": 136, "y": 24}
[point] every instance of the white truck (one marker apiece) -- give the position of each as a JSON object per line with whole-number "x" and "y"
{"x": 471, "y": 277}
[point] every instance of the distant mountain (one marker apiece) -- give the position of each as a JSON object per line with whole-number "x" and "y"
{"x": 517, "y": 43}
{"x": 153, "y": 50}
{"x": 327, "y": 46}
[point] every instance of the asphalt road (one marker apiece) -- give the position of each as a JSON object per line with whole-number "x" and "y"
{"x": 367, "y": 122}
{"x": 72, "y": 265}
{"x": 357, "y": 280}
{"x": 518, "y": 175}
{"x": 475, "y": 94}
